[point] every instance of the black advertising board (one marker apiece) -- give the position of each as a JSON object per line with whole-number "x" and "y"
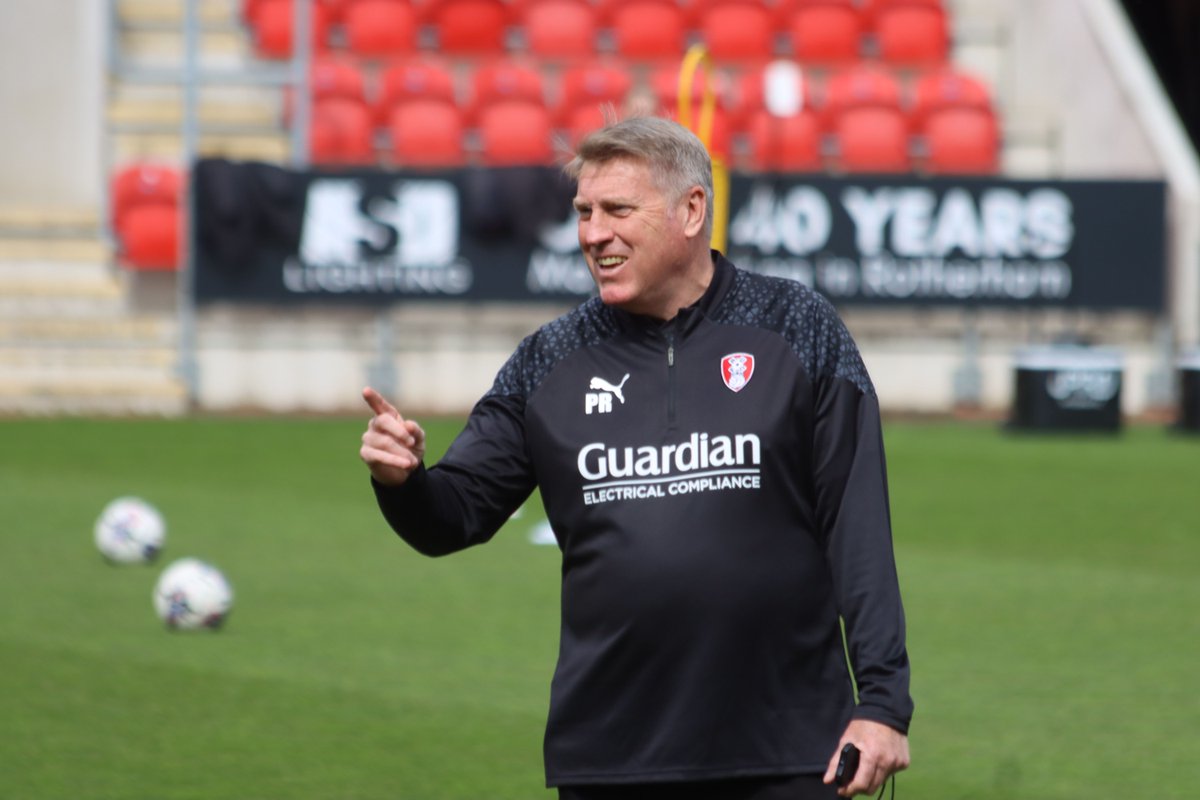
{"x": 264, "y": 234}
{"x": 947, "y": 241}
{"x": 1067, "y": 388}
{"x": 268, "y": 235}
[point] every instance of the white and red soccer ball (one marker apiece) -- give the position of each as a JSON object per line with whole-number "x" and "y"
{"x": 130, "y": 531}
{"x": 192, "y": 594}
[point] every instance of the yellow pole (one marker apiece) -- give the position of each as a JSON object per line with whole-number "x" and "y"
{"x": 696, "y": 57}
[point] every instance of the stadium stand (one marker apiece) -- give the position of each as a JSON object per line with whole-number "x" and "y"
{"x": 1017, "y": 126}
{"x": 924, "y": 109}
{"x": 545, "y": 52}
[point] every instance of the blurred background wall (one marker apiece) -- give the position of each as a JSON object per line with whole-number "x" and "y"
{"x": 52, "y": 129}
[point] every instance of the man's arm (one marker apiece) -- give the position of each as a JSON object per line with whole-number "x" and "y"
{"x": 850, "y": 476}
{"x": 463, "y": 500}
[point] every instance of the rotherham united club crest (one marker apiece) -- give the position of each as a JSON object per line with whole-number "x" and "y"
{"x": 736, "y": 370}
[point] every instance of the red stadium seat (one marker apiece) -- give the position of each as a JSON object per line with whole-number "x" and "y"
{"x": 864, "y": 85}
{"x": 646, "y": 30}
{"x": 737, "y": 30}
{"x": 946, "y": 88}
{"x": 961, "y": 140}
{"x": 872, "y": 139}
{"x": 785, "y": 144}
{"x": 330, "y": 77}
{"x": 334, "y": 77}
{"x": 143, "y": 184}
{"x": 827, "y": 33}
{"x": 411, "y": 80}
{"x": 468, "y": 27}
{"x": 146, "y": 202}
{"x": 590, "y": 87}
{"x": 504, "y": 80}
{"x": 912, "y": 35}
{"x": 148, "y": 238}
{"x": 426, "y": 133}
{"x": 377, "y": 28}
{"x": 864, "y": 112}
{"x": 515, "y": 133}
{"x": 560, "y": 30}
{"x": 341, "y": 132}
{"x": 272, "y": 28}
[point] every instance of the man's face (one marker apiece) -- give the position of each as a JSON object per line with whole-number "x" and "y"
{"x": 635, "y": 237}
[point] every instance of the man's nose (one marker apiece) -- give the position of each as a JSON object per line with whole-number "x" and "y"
{"x": 594, "y": 230}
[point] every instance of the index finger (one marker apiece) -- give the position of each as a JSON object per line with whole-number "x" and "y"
{"x": 379, "y": 403}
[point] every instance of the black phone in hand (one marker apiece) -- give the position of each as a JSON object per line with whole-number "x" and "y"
{"x": 847, "y": 765}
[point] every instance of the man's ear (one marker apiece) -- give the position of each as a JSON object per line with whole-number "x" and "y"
{"x": 695, "y": 209}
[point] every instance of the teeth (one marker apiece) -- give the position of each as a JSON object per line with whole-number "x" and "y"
{"x": 610, "y": 261}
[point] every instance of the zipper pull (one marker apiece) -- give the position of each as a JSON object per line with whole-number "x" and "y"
{"x": 670, "y": 355}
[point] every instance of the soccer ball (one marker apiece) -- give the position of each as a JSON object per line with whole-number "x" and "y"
{"x": 192, "y": 593}
{"x": 130, "y": 531}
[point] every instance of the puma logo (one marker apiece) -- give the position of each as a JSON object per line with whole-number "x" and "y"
{"x": 601, "y": 385}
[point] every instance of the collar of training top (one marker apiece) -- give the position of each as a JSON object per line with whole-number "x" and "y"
{"x": 687, "y": 318}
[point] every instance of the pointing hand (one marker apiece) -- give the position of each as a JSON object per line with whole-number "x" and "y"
{"x": 392, "y": 447}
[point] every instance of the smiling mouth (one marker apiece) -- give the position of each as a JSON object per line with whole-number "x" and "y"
{"x": 610, "y": 262}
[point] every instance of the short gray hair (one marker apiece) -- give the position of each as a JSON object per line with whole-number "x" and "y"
{"x": 676, "y": 157}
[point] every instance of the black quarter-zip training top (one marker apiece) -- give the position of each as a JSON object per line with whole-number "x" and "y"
{"x": 718, "y": 489}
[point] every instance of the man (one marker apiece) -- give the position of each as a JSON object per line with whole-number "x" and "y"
{"x": 708, "y": 447}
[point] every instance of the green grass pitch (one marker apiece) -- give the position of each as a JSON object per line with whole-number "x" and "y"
{"x": 1050, "y": 583}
